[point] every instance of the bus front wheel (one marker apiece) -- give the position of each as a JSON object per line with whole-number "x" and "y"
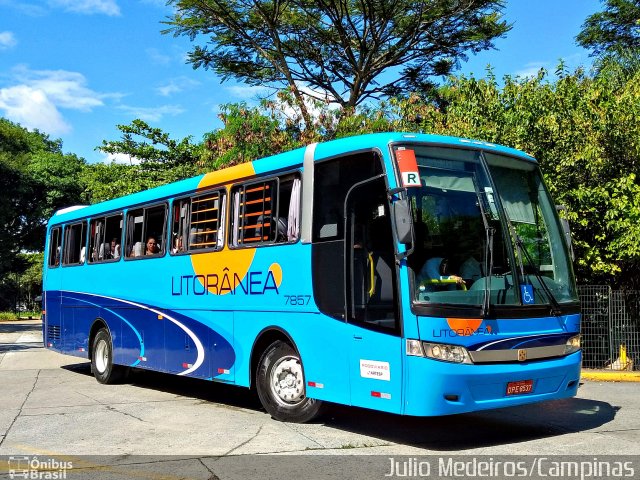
{"x": 102, "y": 364}
{"x": 281, "y": 387}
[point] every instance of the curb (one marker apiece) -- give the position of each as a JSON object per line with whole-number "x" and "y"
{"x": 610, "y": 376}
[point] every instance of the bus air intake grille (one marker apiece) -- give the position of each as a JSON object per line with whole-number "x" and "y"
{"x": 53, "y": 332}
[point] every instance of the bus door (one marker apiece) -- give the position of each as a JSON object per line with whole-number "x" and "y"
{"x": 371, "y": 293}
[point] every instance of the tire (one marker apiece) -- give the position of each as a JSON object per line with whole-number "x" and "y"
{"x": 281, "y": 386}
{"x": 102, "y": 364}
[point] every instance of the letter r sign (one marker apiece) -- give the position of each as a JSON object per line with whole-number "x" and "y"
{"x": 408, "y": 166}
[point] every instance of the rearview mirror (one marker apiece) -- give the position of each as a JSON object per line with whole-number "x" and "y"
{"x": 402, "y": 219}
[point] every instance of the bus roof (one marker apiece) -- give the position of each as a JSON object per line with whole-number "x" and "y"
{"x": 275, "y": 163}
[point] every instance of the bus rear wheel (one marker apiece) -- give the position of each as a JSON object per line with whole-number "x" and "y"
{"x": 281, "y": 386}
{"x": 102, "y": 364}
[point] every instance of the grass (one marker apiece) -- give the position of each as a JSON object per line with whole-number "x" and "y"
{"x": 11, "y": 316}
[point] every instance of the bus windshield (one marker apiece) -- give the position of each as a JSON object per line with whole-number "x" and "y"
{"x": 486, "y": 232}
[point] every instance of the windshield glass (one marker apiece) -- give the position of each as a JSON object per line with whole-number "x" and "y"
{"x": 465, "y": 248}
{"x": 539, "y": 247}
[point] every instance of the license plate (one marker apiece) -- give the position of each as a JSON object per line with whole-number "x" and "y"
{"x": 518, "y": 388}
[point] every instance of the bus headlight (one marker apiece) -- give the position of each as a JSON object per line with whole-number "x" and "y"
{"x": 572, "y": 345}
{"x": 446, "y": 353}
{"x": 414, "y": 348}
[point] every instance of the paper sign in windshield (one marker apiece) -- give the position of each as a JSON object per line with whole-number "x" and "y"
{"x": 408, "y": 166}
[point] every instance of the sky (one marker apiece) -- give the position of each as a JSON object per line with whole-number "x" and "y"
{"x": 75, "y": 69}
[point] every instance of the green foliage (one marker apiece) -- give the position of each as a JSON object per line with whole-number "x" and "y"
{"x": 156, "y": 150}
{"x": 156, "y": 159}
{"x": 248, "y": 134}
{"x": 614, "y": 30}
{"x": 106, "y": 181}
{"x": 584, "y": 131}
{"x": 36, "y": 179}
{"x": 56, "y": 178}
{"x": 18, "y": 205}
{"x": 19, "y": 288}
{"x": 350, "y": 51}
{"x": 17, "y": 142}
{"x": 8, "y": 316}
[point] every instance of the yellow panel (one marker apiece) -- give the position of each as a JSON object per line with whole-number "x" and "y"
{"x": 227, "y": 175}
{"x": 224, "y": 264}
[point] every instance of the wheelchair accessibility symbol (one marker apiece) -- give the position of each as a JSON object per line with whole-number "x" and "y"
{"x": 527, "y": 294}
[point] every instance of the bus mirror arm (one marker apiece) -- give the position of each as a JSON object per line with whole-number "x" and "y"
{"x": 395, "y": 191}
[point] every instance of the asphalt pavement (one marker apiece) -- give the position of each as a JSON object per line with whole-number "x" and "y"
{"x": 52, "y": 407}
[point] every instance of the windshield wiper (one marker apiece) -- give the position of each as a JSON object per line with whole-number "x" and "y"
{"x": 488, "y": 268}
{"x": 489, "y": 232}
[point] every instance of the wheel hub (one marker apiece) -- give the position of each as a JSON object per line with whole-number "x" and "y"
{"x": 287, "y": 381}
{"x": 102, "y": 356}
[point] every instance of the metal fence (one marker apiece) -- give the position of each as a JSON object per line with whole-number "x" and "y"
{"x": 610, "y": 327}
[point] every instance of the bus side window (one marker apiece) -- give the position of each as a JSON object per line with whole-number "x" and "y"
{"x": 288, "y": 223}
{"x": 145, "y": 232}
{"x": 205, "y": 226}
{"x": 54, "y": 247}
{"x": 180, "y": 226}
{"x": 112, "y": 238}
{"x": 266, "y": 212}
{"x": 105, "y": 235}
{"x": 253, "y": 209}
{"x": 75, "y": 244}
{"x": 96, "y": 240}
{"x": 155, "y": 228}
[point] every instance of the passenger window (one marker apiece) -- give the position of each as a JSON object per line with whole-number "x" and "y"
{"x": 206, "y": 222}
{"x": 54, "y": 247}
{"x": 75, "y": 244}
{"x": 253, "y": 211}
{"x": 266, "y": 212}
{"x": 146, "y": 232}
{"x": 180, "y": 227}
{"x": 105, "y": 235}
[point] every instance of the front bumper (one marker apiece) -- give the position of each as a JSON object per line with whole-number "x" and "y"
{"x": 442, "y": 388}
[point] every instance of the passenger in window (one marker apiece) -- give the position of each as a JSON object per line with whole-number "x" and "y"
{"x": 137, "y": 250}
{"x": 177, "y": 245}
{"x": 114, "y": 248}
{"x": 152, "y": 247}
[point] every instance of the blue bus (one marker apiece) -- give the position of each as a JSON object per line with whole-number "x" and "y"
{"x": 407, "y": 273}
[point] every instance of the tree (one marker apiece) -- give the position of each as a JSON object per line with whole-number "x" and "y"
{"x": 615, "y": 30}
{"x": 106, "y": 181}
{"x": 155, "y": 158}
{"x": 36, "y": 179}
{"x": 156, "y": 147}
{"x": 18, "y": 204}
{"x": 342, "y": 51}
{"x": 57, "y": 179}
{"x": 584, "y": 131}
